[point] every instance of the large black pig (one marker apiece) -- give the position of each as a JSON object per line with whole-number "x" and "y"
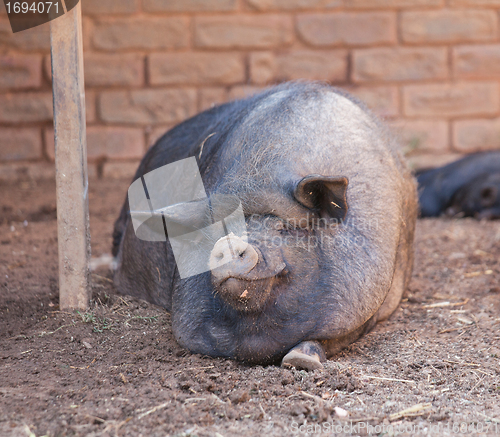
{"x": 468, "y": 187}
{"x": 330, "y": 208}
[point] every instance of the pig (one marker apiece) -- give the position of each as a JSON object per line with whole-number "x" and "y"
{"x": 467, "y": 187}
{"x": 330, "y": 208}
{"x": 480, "y": 198}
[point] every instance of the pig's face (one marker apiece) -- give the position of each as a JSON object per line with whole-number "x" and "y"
{"x": 244, "y": 273}
{"x": 479, "y": 198}
{"x": 273, "y": 291}
{"x": 312, "y": 267}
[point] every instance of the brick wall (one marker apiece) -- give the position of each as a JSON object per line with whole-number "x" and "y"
{"x": 430, "y": 67}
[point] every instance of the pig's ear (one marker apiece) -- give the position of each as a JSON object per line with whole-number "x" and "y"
{"x": 324, "y": 194}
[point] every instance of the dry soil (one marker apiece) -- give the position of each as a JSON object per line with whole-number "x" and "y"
{"x": 116, "y": 370}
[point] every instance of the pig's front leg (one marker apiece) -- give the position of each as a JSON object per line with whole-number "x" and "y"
{"x": 307, "y": 355}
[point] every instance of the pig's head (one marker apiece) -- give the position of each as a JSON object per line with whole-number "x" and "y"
{"x": 319, "y": 190}
{"x": 244, "y": 274}
{"x": 479, "y": 198}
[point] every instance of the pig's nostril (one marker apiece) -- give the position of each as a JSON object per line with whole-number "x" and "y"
{"x": 232, "y": 257}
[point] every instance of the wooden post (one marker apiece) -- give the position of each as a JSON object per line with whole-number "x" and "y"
{"x": 71, "y": 160}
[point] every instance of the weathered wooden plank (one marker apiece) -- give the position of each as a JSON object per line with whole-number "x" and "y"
{"x": 71, "y": 160}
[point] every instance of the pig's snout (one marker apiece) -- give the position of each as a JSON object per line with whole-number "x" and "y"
{"x": 232, "y": 257}
{"x": 240, "y": 275}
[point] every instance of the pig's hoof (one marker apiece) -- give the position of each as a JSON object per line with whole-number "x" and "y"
{"x": 306, "y": 355}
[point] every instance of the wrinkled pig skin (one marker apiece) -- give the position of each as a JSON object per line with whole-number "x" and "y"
{"x": 468, "y": 187}
{"x": 330, "y": 208}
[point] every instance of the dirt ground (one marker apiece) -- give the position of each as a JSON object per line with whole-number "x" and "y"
{"x": 116, "y": 369}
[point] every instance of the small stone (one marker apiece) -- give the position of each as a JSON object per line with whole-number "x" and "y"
{"x": 87, "y": 344}
{"x": 341, "y": 412}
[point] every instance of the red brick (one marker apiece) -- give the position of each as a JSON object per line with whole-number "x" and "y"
{"x": 292, "y": 5}
{"x": 360, "y": 28}
{"x": 477, "y": 61}
{"x": 25, "y": 107}
{"x": 422, "y": 136}
{"x": 106, "y": 141}
{"x": 448, "y": 26}
{"x": 140, "y": 33}
{"x": 47, "y": 68}
{"x": 35, "y": 39}
{"x": 262, "y": 67}
{"x": 313, "y": 65}
{"x": 476, "y": 135}
{"x": 120, "y": 170}
{"x": 325, "y": 65}
{"x": 20, "y": 144}
{"x": 189, "y": 5}
{"x": 92, "y": 171}
{"x": 115, "y": 142}
{"x": 259, "y": 31}
{"x": 474, "y": 3}
{"x": 196, "y": 68}
{"x": 451, "y": 100}
{"x": 20, "y": 71}
{"x": 95, "y": 66}
{"x": 209, "y": 97}
{"x": 244, "y": 91}
{"x": 114, "y": 70}
{"x": 431, "y": 160}
{"x": 155, "y": 133}
{"x": 90, "y": 106}
{"x": 26, "y": 171}
{"x": 100, "y": 7}
{"x": 153, "y": 106}
{"x": 49, "y": 143}
{"x": 383, "y": 100}
{"x": 87, "y": 33}
{"x": 399, "y": 64}
{"x": 391, "y": 4}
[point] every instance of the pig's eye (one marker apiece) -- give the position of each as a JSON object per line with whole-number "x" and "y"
{"x": 280, "y": 226}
